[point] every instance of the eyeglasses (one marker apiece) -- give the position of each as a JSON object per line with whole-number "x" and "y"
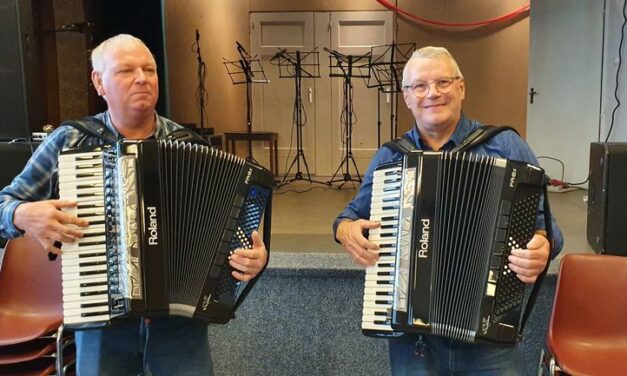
{"x": 421, "y": 88}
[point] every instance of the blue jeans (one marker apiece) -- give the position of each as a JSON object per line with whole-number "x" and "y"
{"x": 158, "y": 346}
{"x": 432, "y": 355}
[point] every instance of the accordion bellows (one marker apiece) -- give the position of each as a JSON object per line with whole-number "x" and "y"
{"x": 164, "y": 217}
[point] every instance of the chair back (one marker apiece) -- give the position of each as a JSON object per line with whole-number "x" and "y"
{"x": 31, "y": 302}
{"x": 588, "y": 332}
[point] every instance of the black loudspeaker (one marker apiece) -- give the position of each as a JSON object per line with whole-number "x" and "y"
{"x": 22, "y": 106}
{"x": 607, "y": 198}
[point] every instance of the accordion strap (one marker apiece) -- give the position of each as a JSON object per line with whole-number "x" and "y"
{"x": 480, "y": 135}
{"x": 92, "y": 126}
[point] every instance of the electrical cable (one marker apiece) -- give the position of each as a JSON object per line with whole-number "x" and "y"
{"x": 620, "y": 61}
{"x": 554, "y": 159}
{"x": 201, "y": 91}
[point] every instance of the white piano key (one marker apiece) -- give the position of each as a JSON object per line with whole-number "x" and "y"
{"x": 69, "y": 320}
{"x": 79, "y": 278}
{"x": 74, "y": 301}
{"x": 75, "y": 261}
{"x": 82, "y": 311}
{"x": 70, "y": 269}
{"x": 77, "y": 290}
{"x": 73, "y": 282}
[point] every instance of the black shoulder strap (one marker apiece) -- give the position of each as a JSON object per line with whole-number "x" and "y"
{"x": 402, "y": 145}
{"x": 481, "y": 135}
{"x": 92, "y": 126}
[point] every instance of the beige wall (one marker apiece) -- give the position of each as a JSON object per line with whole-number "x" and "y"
{"x": 494, "y": 60}
{"x": 220, "y": 24}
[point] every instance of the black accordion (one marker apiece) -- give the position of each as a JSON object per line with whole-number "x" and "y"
{"x": 164, "y": 217}
{"x": 448, "y": 222}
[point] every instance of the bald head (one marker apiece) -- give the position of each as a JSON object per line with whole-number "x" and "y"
{"x": 120, "y": 42}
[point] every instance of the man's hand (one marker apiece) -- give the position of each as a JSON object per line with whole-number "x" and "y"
{"x": 351, "y": 235}
{"x": 529, "y": 263}
{"x": 44, "y": 221}
{"x": 249, "y": 262}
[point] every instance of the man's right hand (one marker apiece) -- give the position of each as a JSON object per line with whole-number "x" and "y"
{"x": 44, "y": 221}
{"x": 351, "y": 234}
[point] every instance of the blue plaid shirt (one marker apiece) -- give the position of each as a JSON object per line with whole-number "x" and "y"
{"x": 39, "y": 179}
{"x": 506, "y": 144}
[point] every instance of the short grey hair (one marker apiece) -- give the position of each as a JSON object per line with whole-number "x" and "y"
{"x": 99, "y": 53}
{"x": 431, "y": 52}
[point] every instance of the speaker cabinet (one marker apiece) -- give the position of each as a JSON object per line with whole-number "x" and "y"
{"x": 607, "y": 198}
{"x": 21, "y": 81}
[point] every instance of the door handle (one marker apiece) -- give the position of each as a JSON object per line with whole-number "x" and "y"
{"x": 532, "y": 94}
{"x": 310, "y": 95}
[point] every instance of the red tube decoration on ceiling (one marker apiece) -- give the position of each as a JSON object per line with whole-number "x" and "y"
{"x": 524, "y": 9}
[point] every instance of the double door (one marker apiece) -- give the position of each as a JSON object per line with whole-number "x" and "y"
{"x": 322, "y": 107}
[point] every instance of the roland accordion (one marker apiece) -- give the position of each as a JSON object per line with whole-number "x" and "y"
{"x": 448, "y": 222}
{"x": 164, "y": 217}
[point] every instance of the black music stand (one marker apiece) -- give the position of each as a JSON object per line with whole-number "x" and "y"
{"x": 297, "y": 65}
{"x": 247, "y": 70}
{"x": 387, "y": 71}
{"x": 347, "y": 67}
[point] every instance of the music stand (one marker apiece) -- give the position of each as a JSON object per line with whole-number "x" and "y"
{"x": 387, "y": 71}
{"x": 347, "y": 67}
{"x": 243, "y": 71}
{"x": 297, "y": 65}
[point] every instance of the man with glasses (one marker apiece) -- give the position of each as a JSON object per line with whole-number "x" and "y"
{"x": 433, "y": 89}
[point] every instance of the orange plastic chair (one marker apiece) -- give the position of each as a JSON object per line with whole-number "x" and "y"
{"x": 32, "y": 341}
{"x": 30, "y": 293}
{"x": 588, "y": 328}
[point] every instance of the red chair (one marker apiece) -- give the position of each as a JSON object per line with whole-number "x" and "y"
{"x": 588, "y": 328}
{"x": 31, "y": 313}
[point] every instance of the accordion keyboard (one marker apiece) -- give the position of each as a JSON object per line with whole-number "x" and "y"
{"x": 84, "y": 263}
{"x": 379, "y": 285}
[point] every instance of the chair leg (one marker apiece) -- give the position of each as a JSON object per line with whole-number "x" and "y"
{"x": 60, "y": 346}
{"x": 547, "y": 365}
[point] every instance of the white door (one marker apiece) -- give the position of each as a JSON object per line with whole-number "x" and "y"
{"x": 565, "y": 81}
{"x": 273, "y": 102}
{"x": 350, "y": 33}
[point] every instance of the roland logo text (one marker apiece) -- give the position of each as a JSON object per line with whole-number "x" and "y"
{"x": 152, "y": 225}
{"x": 423, "y": 251}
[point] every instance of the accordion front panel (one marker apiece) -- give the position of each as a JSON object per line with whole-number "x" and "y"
{"x": 459, "y": 216}
{"x": 174, "y": 212}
